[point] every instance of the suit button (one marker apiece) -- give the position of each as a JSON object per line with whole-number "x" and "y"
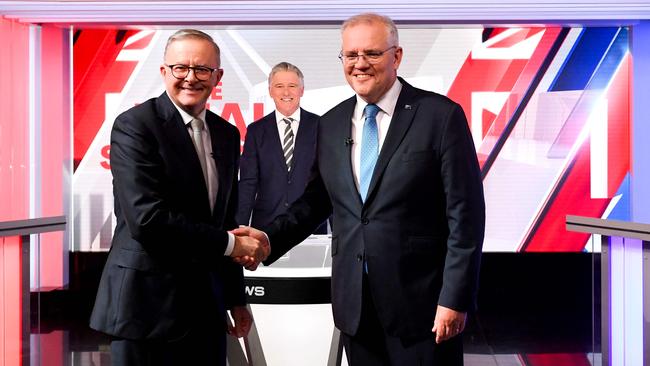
{"x": 365, "y": 221}
{"x": 288, "y": 182}
{"x": 359, "y": 257}
{"x": 286, "y": 204}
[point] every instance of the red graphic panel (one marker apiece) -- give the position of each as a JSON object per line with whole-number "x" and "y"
{"x": 14, "y": 98}
{"x": 505, "y": 72}
{"x": 573, "y": 194}
{"x": 96, "y": 73}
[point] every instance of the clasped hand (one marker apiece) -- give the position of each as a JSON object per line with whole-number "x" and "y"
{"x": 251, "y": 247}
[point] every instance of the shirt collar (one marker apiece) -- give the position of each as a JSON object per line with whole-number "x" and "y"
{"x": 295, "y": 115}
{"x": 187, "y": 118}
{"x": 386, "y": 103}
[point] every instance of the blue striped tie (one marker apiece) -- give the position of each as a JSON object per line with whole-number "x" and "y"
{"x": 369, "y": 149}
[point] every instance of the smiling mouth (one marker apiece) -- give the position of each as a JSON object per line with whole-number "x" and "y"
{"x": 362, "y": 76}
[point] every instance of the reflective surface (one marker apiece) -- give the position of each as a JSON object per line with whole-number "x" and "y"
{"x": 533, "y": 310}
{"x": 69, "y": 342}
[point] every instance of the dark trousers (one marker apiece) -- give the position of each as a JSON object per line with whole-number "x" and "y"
{"x": 372, "y": 346}
{"x": 198, "y": 347}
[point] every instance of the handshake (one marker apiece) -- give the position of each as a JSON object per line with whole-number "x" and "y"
{"x": 251, "y": 247}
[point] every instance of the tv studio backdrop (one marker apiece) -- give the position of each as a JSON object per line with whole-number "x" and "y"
{"x": 556, "y": 96}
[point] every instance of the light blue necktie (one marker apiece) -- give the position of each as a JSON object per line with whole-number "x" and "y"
{"x": 369, "y": 149}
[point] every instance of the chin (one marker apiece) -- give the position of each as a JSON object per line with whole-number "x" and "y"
{"x": 361, "y": 89}
{"x": 189, "y": 101}
{"x": 362, "y": 93}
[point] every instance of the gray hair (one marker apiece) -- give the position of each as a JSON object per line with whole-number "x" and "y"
{"x": 372, "y": 18}
{"x": 285, "y": 66}
{"x": 193, "y": 34}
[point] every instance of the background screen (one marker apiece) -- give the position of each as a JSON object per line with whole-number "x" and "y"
{"x": 548, "y": 108}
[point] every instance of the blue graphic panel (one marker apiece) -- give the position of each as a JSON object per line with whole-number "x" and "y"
{"x": 584, "y": 58}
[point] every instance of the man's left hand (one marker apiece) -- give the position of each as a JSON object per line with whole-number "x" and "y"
{"x": 448, "y": 323}
{"x": 243, "y": 321}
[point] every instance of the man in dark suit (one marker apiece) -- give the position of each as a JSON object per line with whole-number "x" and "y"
{"x": 397, "y": 167}
{"x": 279, "y": 151}
{"x": 169, "y": 277}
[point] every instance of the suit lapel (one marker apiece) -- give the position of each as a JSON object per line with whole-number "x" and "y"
{"x": 180, "y": 141}
{"x": 272, "y": 138}
{"x": 302, "y": 142}
{"x": 220, "y": 146}
{"x": 341, "y": 135}
{"x": 399, "y": 125}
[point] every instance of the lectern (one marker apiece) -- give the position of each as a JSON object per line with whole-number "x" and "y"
{"x": 625, "y": 288}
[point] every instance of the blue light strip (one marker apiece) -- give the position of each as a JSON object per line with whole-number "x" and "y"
{"x": 633, "y": 301}
{"x": 626, "y": 302}
{"x": 617, "y": 299}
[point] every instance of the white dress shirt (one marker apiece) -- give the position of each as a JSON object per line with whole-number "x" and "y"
{"x": 282, "y": 125}
{"x": 387, "y": 108}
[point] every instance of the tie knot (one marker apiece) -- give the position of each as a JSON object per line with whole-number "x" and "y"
{"x": 197, "y": 124}
{"x": 287, "y": 120}
{"x": 371, "y": 111}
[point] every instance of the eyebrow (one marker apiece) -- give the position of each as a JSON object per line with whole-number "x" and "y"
{"x": 364, "y": 50}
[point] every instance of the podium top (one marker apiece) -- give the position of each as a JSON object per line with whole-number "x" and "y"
{"x": 310, "y": 259}
{"x": 624, "y": 229}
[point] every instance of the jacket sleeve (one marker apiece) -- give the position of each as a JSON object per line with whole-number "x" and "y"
{"x": 463, "y": 188}
{"x": 301, "y": 218}
{"x": 234, "y": 273}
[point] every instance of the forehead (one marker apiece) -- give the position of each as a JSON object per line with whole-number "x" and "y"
{"x": 192, "y": 49}
{"x": 365, "y": 36}
{"x": 285, "y": 77}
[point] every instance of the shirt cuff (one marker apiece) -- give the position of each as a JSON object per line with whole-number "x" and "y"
{"x": 231, "y": 245}
{"x": 267, "y": 238}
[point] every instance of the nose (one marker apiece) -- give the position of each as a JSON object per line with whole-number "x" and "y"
{"x": 192, "y": 77}
{"x": 361, "y": 62}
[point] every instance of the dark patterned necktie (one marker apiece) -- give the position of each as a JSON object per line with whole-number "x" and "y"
{"x": 287, "y": 142}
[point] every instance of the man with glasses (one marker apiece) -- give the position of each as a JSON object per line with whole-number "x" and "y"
{"x": 169, "y": 277}
{"x": 397, "y": 167}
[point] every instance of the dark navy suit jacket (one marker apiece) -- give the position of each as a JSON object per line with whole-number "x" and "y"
{"x": 166, "y": 270}
{"x": 266, "y": 189}
{"x": 420, "y": 229}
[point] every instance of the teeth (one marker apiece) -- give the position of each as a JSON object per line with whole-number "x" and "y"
{"x": 364, "y": 76}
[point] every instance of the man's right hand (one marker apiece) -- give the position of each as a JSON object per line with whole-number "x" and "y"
{"x": 247, "y": 246}
{"x": 250, "y": 262}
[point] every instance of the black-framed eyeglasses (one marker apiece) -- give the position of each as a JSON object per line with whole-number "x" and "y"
{"x": 372, "y": 57}
{"x": 180, "y": 71}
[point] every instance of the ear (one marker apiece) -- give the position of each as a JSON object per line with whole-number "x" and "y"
{"x": 163, "y": 70}
{"x": 219, "y": 73}
{"x": 399, "y": 52}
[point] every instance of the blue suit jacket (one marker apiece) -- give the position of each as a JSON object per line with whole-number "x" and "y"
{"x": 266, "y": 189}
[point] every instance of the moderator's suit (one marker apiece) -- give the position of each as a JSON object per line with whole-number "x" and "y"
{"x": 166, "y": 269}
{"x": 421, "y": 227}
{"x": 265, "y": 187}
